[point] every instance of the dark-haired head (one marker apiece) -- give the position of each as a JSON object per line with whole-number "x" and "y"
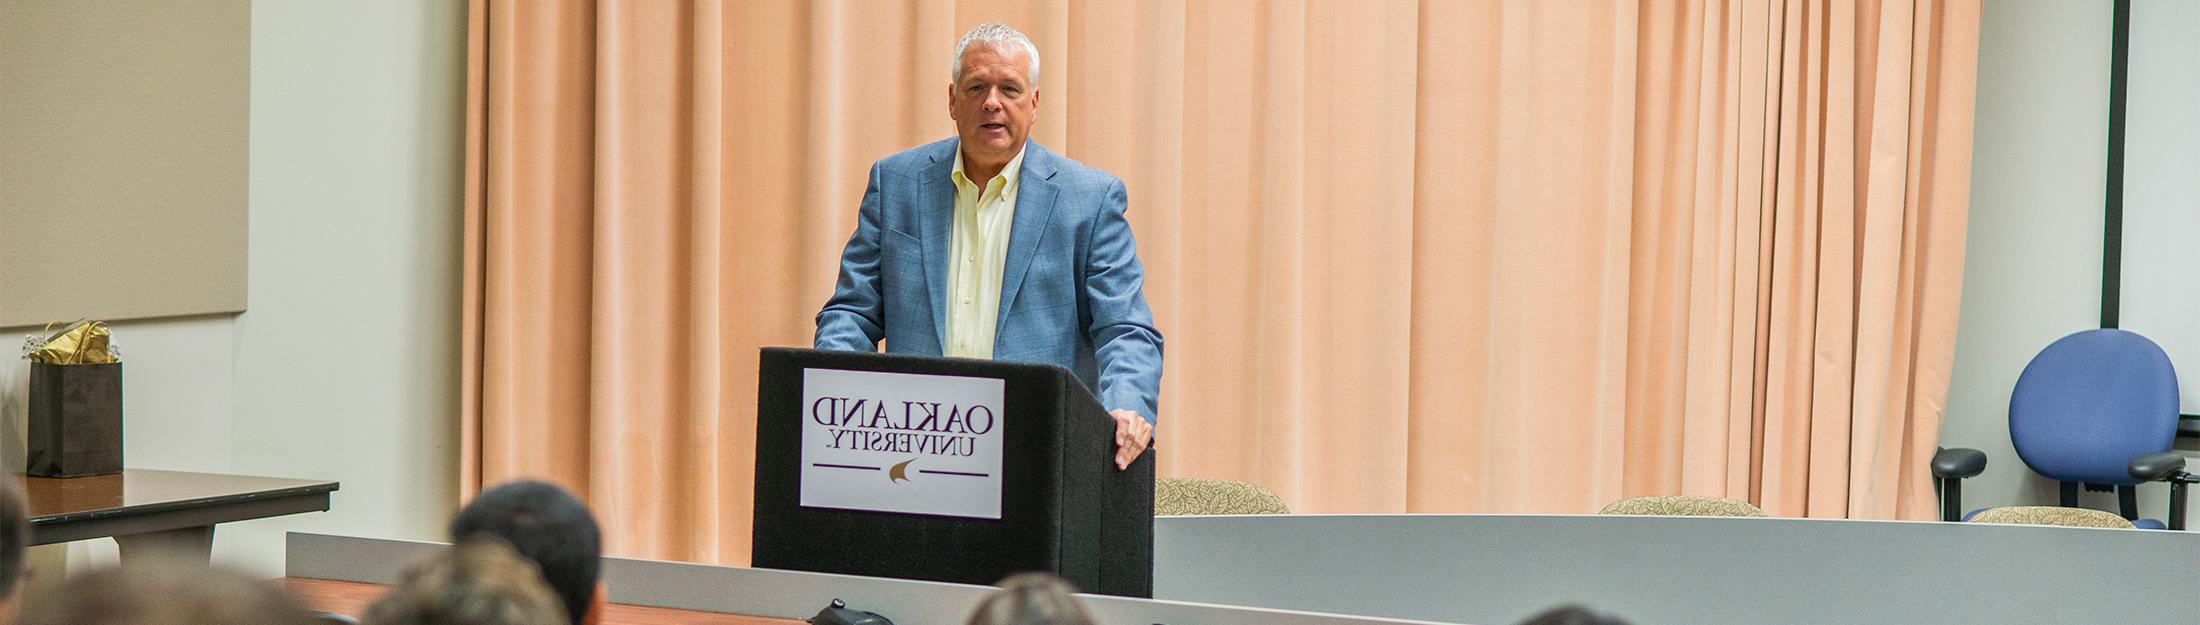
{"x": 546, "y": 525}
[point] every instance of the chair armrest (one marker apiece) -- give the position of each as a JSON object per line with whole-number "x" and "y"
{"x": 1959, "y": 463}
{"x": 2157, "y": 467}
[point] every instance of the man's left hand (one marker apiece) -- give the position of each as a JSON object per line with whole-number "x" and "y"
{"x": 1132, "y": 435}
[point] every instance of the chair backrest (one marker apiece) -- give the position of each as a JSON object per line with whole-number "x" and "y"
{"x": 1183, "y": 496}
{"x": 1682, "y": 505}
{"x": 2050, "y": 515}
{"x": 2090, "y": 403}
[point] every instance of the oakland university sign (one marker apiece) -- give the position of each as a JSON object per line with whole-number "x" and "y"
{"x": 912, "y": 427}
{"x": 899, "y": 442}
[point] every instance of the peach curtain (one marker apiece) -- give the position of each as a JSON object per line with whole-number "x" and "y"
{"x": 1444, "y": 256}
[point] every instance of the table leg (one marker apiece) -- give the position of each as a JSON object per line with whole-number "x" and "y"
{"x": 191, "y": 544}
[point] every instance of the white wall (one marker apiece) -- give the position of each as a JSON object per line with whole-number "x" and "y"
{"x": 2032, "y": 269}
{"x": 344, "y": 364}
{"x": 347, "y": 352}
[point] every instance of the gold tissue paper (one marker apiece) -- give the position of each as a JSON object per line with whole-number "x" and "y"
{"x": 80, "y": 343}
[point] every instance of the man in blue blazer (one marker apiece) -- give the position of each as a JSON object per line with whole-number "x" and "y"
{"x": 986, "y": 245}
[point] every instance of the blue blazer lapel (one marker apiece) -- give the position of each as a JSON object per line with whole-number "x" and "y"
{"x": 936, "y": 206}
{"x": 1034, "y": 210}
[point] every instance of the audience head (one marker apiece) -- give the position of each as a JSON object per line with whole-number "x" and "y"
{"x": 1572, "y": 615}
{"x": 15, "y": 536}
{"x": 479, "y": 581}
{"x": 172, "y": 592}
{"x": 546, "y": 526}
{"x": 1031, "y": 599}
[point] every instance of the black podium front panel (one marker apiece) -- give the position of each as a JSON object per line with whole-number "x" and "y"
{"x": 1064, "y": 507}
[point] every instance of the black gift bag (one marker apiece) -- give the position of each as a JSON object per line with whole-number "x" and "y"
{"x": 75, "y": 425}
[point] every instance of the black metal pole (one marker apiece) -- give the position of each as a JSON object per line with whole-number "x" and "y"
{"x": 1951, "y": 499}
{"x": 2177, "y": 502}
{"x": 2112, "y": 231}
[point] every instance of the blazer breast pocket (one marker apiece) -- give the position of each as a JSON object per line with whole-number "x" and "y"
{"x": 905, "y": 237}
{"x": 896, "y": 247}
{"x": 901, "y": 265}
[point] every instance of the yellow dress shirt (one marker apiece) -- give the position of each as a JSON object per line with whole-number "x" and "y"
{"x": 977, "y": 256}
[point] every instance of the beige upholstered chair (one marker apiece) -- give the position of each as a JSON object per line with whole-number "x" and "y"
{"x": 1181, "y": 496}
{"x": 2050, "y": 515}
{"x": 1684, "y": 505}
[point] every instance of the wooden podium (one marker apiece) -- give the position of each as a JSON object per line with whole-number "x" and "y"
{"x": 1063, "y": 506}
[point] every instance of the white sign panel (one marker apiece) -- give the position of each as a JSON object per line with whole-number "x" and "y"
{"x": 898, "y": 442}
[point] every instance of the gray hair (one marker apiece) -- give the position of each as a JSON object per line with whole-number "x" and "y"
{"x": 994, "y": 34}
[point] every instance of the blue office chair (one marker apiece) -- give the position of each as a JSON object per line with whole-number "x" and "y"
{"x": 2096, "y": 409}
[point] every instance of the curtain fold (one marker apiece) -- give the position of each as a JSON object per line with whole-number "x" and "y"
{"x": 1460, "y": 256}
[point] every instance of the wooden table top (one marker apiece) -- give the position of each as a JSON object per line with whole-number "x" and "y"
{"x": 60, "y": 500}
{"x": 351, "y": 598}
